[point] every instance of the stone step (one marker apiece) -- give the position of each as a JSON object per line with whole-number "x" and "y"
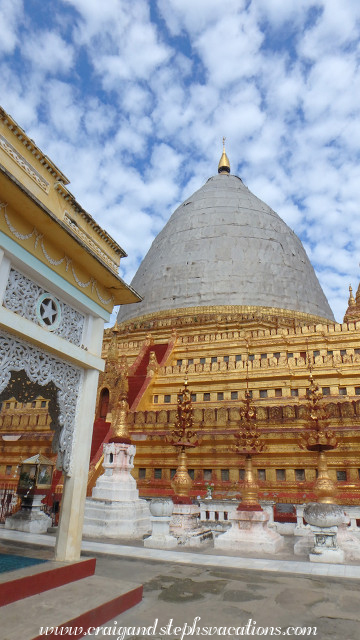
{"x": 90, "y": 602}
{"x": 26, "y": 582}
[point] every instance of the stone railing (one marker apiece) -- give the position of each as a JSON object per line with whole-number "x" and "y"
{"x": 217, "y": 515}
{"x": 321, "y": 329}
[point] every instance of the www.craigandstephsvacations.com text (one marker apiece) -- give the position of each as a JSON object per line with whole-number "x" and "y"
{"x": 179, "y": 632}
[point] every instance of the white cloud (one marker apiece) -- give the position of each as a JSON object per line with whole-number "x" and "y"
{"x": 336, "y": 27}
{"x": 195, "y": 17}
{"x": 133, "y": 111}
{"x": 11, "y": 17}
{"x": 18, "y": 98}
{"x": 48, "y": 51}
{"x": 99, "y": 119}
{"x": 278, "y": 12}
{"x": 64, "y": 111}
{"x": 230, "y": 49}
{"x": 121, "y": 41}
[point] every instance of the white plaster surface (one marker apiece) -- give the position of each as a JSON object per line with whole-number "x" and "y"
{"x": 334, "y": 556}
{"x": 249, "y": 532}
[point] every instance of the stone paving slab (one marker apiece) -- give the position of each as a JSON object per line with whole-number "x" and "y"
{"x": 179, "y": 594}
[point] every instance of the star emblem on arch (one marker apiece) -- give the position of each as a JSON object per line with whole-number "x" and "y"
{"x": 49, "y": 311}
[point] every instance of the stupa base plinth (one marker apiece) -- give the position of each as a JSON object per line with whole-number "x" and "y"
{"x": 250, "y": 533}
{"x": 160, "y": 537}
{"x": 32, "y": 520}
{"x": 184, "y": 526}
{"x": 110, "y": 519}
{"x": 329, "y": 556}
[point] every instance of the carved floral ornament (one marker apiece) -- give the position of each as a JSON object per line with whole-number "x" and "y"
{"x": 84, "y": 236}
{"x": 26, "y": 298}
{"x": 42, "y": 368}
{"x": 39, "y": 242}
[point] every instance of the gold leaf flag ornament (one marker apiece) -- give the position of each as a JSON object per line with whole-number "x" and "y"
{"x": 317, "y": 436}
{"x": 248, "y": 442}
{"x": 183, "y": 437}
{"x": 248, "y": 439}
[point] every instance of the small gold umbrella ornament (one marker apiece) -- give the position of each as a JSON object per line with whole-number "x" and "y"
{"x": 317, "y": 436}
{"x": 182, "y": 438}
{"x": 248, "y": 442}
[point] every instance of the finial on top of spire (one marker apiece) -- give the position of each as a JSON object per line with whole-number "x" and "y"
{"x": 351, "y": 302}
{"x": 353, "y": 311}
{"x": 224, "y": 164}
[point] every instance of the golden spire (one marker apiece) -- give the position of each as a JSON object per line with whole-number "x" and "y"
{"x": 119, "y": 423}
{"x": 353, "y": 311}
{"x": 357, "y": 297}
{"x": 182, "y": 437}
{"x": 224, "y": 164}
{"x": 351, "y": 302}
{"x": 316, "y": 435}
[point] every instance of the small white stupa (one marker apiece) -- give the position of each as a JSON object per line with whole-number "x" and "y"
{"x": 115, "y": 509}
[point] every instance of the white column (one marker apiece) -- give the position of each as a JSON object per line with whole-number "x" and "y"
{"x": 68, "y": 542}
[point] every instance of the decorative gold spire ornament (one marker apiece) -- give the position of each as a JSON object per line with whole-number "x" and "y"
{"x": 351, "y": 302}
{"x": 182, "y": 437}
{"x": 224, "y": 164}
{"x": 353, "y": 311}
{"x": 248, "y": 442}
{"x": 357, "y": 296}
{"x": 181, "y": 482}
{"x": 324, "y": 487}
{"x": 112, "y": 353}
{"x": 318, "y": 437}
{"x": 119, "y": 423}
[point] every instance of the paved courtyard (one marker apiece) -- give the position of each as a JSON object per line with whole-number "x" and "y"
{"x": 232, "y": 598}
{"x": 221, "y": 601}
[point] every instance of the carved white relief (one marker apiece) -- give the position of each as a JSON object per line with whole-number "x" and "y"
{"x": 24, "y": 164}
{"x": 25, "y": 297}
{"x": 84, "y": 236}
{"x": 42, "y": 368}
{"x": 39, "y": 240}
{"x": 48, "y": 312}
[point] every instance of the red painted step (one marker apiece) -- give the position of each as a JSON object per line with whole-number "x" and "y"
{"x": 23, "y": 583}
{"x": 137, "y": 380}
{"x": 75, "y": 609}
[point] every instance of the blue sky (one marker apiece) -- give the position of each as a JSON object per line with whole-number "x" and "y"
{"x": 132, "y": 98}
